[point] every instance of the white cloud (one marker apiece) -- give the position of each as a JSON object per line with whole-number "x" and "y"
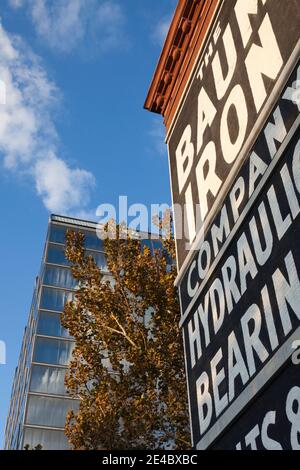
{"x": 157, "y": 134}
{"x": 16, "y": 3}
{"x": 28, "y": 138}
{"x": 2, "y": 92}
{"x": 68, "y": 24}
{"x": 59, "y": 22}
{"x": 61, "y": 187}
{"x": 161, "y": 29}
{"x": 110, "y": 20}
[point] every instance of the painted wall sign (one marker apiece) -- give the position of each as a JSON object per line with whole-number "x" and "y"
{"x": 241, "y": 328}
{"x": 230, "y": 96}
{"x": 242, "y": 192}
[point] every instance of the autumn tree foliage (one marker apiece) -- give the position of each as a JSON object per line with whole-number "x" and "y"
{"x": 127, "y": 366}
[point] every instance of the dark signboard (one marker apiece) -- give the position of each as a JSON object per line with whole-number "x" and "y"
{"x": 272, "y": 422}
{"x": 234, "y": 86}
{"x": 242, "y": 192}
{"x": 241, "y": 328}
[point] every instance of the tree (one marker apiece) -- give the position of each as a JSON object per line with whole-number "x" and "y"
{"x": 127, "y": 366}
{"x": 37, "y": 447}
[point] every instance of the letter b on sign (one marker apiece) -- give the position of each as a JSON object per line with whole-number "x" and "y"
{"x": 204, "y": 402}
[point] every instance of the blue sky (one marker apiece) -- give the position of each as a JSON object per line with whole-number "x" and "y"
{"x": 73, "y": 131}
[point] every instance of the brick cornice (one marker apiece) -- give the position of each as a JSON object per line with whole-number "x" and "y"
{"x": 185, "y": 37}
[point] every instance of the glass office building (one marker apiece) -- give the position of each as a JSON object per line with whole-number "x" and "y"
{"x": 39, "y": 402}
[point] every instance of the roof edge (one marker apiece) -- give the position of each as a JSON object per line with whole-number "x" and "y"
{"x": 174, "y": 49}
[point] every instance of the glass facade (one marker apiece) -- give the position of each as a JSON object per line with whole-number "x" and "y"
{"x": 48, "y": 411}
{"x": 46, "y": 379}
{"x": 54, "y": 299}
{"x": 49, "y": 324}
{"x": 39, "y": 401}
{"x": 52, "y": 351}
{"x": 48, "y": 439}
{"x": 59, "y": 277}
{"x": 56, "y": 255}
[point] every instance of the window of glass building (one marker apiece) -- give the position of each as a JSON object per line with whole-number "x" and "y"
{"x": 48, "y": 380}
{"x": 49, "y": 324}
{"x": 59, "y": 277}
{"x": 57, "y": 234}
{"x": 92, "y": 242}
{"x": 49, "y": 440}
{"x": 152, "y": 244}
{"x": 56, "y": 255}
{"x": 157, "y": 245}
{"x": 46, "y": 411}
{"x": 52, "y": 351}
{"x": 54, "y": 299}
{"x": 99, "y": 258}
